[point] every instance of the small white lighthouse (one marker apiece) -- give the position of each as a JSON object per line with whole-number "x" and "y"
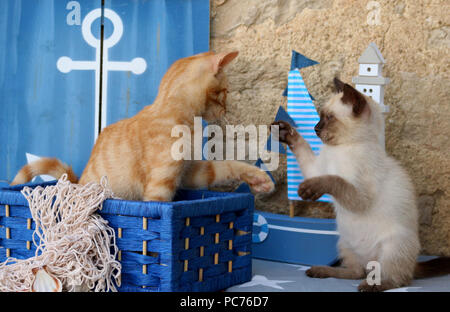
{"x": 370, "y": 80}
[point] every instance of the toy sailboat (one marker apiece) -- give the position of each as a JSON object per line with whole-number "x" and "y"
{"x": 292, "y": 239}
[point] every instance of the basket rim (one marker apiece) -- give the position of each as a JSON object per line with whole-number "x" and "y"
{"x": 217, "y": 203}
{"x": 214, "y": 203}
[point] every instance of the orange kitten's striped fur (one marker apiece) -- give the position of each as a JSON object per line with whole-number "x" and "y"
{"x": 135, "y": 153}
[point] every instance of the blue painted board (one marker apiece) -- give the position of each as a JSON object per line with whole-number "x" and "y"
{"x": 308, "y": 241}
{"x": 158, "y": 31}
{"x": 49, "y": 111}
{"x": 43, "y": 111}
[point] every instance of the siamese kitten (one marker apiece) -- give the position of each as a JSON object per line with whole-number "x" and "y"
{"x": 135, "y": 153}
{"x": 376, "y": 212}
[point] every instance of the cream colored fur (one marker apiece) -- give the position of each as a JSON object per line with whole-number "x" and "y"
{"x": 383, "y": 226}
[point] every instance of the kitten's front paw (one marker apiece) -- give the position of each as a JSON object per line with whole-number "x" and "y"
{"x": 259, "y": 181}
{"x": 312, "y": 189}
{"x": 287, "y": 133}
{"x": 365, "y": 287}
{"x": 318, "y": 272}
{"x": 384, "y": 285}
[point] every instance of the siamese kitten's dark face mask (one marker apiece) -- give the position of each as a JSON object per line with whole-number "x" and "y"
{"x": 327, "y": 128}
{"x": 333, "y": 128}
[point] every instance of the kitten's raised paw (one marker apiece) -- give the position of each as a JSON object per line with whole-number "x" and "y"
{"x": 311, "y": 189}
{"x": 318, "y": 272}
{"x": 287, "y": 134}
{"x": 259, "y": 181}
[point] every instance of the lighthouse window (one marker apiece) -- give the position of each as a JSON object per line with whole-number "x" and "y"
{"x": 369, "y": 69}
{"x": 365, "y": 90}
{"x": 370, "y": 90}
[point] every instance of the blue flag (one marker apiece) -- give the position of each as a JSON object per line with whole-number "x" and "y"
{"x": 299, "y": 61}
{"x": 281, "y": 115}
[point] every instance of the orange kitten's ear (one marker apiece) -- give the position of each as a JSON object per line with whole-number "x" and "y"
{"x": 221, "y": 60}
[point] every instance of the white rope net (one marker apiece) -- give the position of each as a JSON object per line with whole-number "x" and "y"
{"x": 74, "y": 243}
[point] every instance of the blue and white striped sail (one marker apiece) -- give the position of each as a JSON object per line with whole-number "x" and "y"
{"x": 302, "y": 110}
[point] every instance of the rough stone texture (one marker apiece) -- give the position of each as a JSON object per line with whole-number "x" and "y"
{"x": 413, "y": 37}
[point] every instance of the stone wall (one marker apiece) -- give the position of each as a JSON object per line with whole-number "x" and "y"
{"x": 413, "y": 37}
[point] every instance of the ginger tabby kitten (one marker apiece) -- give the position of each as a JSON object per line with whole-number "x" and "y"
{"x": 135, "y": 153}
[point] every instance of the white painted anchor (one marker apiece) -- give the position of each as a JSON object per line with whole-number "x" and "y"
{"x": 136, "y": 66}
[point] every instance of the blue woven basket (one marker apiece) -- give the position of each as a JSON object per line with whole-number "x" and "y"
{"x": 199, "y": 242}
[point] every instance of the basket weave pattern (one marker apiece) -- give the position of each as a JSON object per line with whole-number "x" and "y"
{"x": 199, "y": 242}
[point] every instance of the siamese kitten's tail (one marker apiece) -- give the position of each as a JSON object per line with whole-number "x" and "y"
{"x": 435, "y": 267}
{"x": 50, "y": 166}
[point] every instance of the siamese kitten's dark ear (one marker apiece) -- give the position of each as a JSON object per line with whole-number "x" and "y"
{"x": 355, "y": 98}
{"x": 339, "y": 85}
